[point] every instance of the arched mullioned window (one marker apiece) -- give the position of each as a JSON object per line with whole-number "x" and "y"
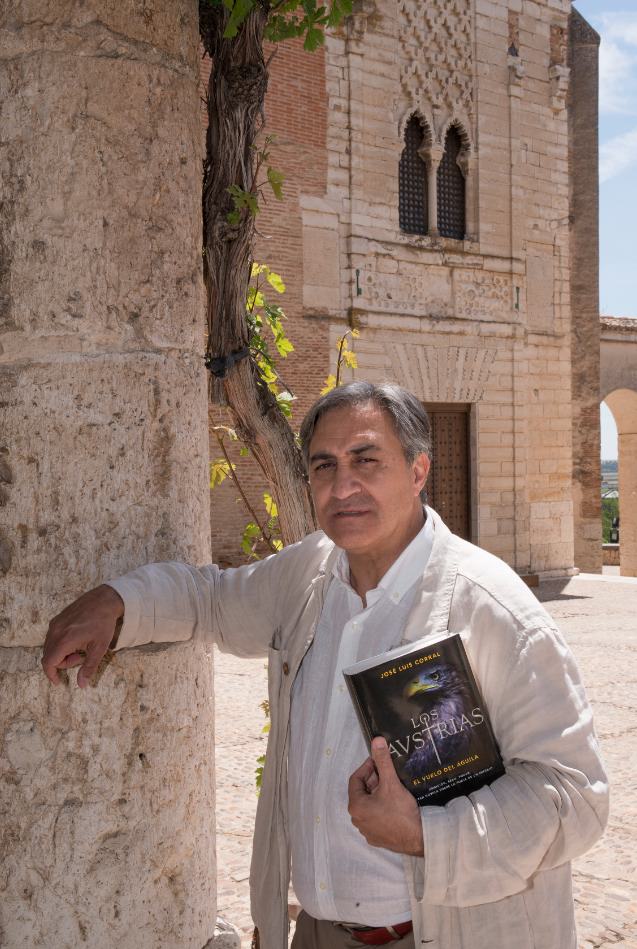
{"x": 451, "y": 189}
{"x": 412, "y": 181}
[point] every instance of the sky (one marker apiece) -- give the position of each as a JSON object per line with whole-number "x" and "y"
{"x": 616, "y": 22}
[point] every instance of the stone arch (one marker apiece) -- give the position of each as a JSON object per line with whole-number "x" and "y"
{"x": 467, "y": 163}
{"x": 451, "y": 184}
{"x": 623, "y": 405}
{"x": 413, "y": 176}
{"x": 424, "y": 116}
{"x": 461, "y": 127}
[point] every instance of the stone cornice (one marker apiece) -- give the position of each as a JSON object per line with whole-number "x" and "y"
{"x": 625, "y": 323}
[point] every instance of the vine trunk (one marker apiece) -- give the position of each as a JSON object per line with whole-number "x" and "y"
{"x": 235, "y": 104}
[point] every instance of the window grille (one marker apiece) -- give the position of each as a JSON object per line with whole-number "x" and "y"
{"x": 451, "y": 198}
{"x": 412, "y": 182}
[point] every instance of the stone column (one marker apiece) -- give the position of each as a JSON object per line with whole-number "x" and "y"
{"x": 432, "y": 156}
{"x": 627, "y": 467}
{"x": 106, "y": 794}
{"x": 468, "y": 164}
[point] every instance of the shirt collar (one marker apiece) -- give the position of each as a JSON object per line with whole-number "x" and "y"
{"x": 404, "y": 571}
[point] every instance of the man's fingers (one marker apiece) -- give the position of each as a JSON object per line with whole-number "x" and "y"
{"x": 54, "y": 657}
{"x": 50, "y": 670}
{"x": 382, "y": 759}
{"x": 82, "y": 634}
{"x": 372, "y": 782}
{"x": 75, "y": 659}
{"x": 359, "y": 779}
{"x": 90, "y": 665}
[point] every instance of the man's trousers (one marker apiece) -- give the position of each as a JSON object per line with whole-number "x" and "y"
{"x": 321, "y": 934}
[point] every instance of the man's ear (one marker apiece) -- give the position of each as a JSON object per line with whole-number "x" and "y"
{"x": 420, "y": 468}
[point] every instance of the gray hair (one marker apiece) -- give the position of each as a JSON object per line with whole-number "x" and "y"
{"x": 409, "y": 418}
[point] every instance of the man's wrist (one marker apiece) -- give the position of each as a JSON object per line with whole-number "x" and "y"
{"x": 119, "y": 609}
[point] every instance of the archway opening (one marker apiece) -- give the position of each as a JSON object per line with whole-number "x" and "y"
{"x": 623, "y": 405}
{"x": 609, "y": 490}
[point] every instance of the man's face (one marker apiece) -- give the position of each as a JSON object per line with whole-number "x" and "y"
{"x": 365, "y": 492}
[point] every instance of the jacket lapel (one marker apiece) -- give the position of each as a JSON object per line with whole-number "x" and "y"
{"x": 430, "y": 613}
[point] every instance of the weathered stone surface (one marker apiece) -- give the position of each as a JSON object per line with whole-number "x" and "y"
{"x": 96, "y": 262}
{"x": 108, "y": 797}
{"x": 106, "y": 794}
{"x": 109, "y": 468}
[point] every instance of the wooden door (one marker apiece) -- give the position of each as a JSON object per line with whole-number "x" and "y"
{"x": 449, "y": 483}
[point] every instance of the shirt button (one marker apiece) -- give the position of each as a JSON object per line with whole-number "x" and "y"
{"x": 341, "y": 688}
{"x": 322, "y": 886}
{"x": 318, "y": 820}
{"x": 395, "y": 597}
{"x": 286, "y": 669}
{"x": 328, "y": 752}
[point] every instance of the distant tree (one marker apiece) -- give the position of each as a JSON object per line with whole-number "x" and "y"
{"x": 610, "y": 509}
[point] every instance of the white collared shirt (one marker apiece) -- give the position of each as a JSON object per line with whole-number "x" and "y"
{"x": 336, "y": 874}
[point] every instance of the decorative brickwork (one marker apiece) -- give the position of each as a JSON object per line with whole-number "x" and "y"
{"x": 436, "y": 52}
{"x": 445, "y": 374}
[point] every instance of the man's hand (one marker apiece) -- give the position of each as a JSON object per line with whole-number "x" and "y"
{"x": 381, "y": 808}
{"x": 82, "y": 633}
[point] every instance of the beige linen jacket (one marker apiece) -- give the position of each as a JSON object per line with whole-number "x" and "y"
{"x": 496, "y": 872}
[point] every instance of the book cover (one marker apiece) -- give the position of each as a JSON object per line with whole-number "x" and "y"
{"x": 424, "y": 700}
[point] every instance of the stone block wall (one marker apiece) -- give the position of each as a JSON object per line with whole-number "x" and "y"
{"x": 485, "y": 320}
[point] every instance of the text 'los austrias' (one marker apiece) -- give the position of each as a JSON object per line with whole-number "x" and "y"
{"x": 424, "y": 700}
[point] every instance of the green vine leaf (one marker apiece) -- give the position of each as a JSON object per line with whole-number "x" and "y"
{"x": 349, "y": 358}
{"x": 259, "y": 772}
{"x": 239, "y": 10}
{"x": 250, "y": 539}
{"x": 219, "y": 471}
{"x": 242, "y": 200}
{"x": 283, "y": 401}
{"x": 330, "y": 383}
{"x": 275, "y": 179}
{"x": 270, "y": 505}
{"x": 274, "y": 279}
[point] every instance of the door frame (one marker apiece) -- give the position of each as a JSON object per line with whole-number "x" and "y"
{"x": 468, "y": 409}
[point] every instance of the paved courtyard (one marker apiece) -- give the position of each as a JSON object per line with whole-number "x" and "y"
{"x": 598, "y": 616}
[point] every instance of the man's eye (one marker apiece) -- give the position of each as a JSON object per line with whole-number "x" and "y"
{"x": 367, "y": 459}
{"x": 323, "y": 466}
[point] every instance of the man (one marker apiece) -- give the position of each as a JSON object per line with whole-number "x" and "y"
{"x": 488, "y": 871}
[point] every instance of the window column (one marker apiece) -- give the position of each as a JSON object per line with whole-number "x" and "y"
{"x": 432, "y": 156}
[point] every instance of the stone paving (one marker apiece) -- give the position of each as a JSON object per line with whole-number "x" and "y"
{"x": 598, "y": 616}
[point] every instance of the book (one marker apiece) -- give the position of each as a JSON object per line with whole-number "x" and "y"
{"x": 424, "y": 700}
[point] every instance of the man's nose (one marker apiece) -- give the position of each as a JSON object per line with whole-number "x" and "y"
{"x": 345, "y": 483}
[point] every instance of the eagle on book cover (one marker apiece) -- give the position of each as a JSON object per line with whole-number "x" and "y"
{"x": 438, "y": 691}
